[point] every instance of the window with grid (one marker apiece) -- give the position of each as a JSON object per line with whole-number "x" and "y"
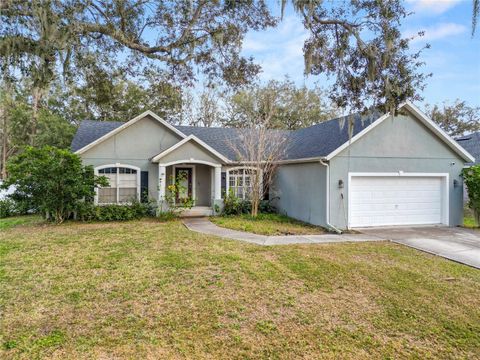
{"x": 123, "y": 185}
{"x": 240, "y": 182}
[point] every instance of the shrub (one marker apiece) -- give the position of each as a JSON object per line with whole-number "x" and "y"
{"x": 236, "y": 206}
{"x": 52, "y": 180}
{"x": 12, "y": 207}
{"x": 471, "y": 177}
{"x": 7, "y": 208}
{"x": 115, "y": 212}
{"x": 231, "y": 204}
{"x": 266, "y": 207}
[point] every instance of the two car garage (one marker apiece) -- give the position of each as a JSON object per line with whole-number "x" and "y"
{"x": 397, "y": 199}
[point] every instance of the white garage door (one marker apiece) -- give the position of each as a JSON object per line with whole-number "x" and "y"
{"x": 395, "y": 200}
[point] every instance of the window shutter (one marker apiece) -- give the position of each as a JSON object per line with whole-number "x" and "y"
{"x": 224, "y": 184}
{"x": 144, "y": 186}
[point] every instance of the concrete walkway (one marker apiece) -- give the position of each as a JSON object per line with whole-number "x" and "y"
{"x": 457, "y": 244}
{"x": 205, "y": 226}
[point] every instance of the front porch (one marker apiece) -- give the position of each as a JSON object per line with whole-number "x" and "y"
{"x": 200, "y": 181}
{"x": 199, "y": 168}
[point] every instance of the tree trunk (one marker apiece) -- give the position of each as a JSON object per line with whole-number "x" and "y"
{"x": 4, "y": 144}
{"x": 476, "y": 216}
{"x": 37, "y": 96}
{"x": 255, "y": 202}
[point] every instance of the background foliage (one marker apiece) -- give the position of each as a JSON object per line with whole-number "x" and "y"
{"x": 472, "y": 181}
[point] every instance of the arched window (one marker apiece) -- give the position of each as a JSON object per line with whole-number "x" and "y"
{"x": 124, "y": 184}
{"x": 240, "y": 181}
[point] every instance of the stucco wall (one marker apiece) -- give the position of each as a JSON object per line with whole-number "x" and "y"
{"x": 301, "y": 192}
{"x": 135, "y": 146}
{"x": 398, "y": 144}
{"x": 190, "y": 150}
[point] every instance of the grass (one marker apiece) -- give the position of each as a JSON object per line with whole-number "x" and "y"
{"x": 267, "y": 224}
{"x": 10, "y": 222}
{"x": 145, "y": 289}
{"x": 469, "y": 220}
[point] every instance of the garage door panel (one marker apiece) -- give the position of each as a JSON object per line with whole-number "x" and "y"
{"x": 399, "y": 201}
{"x": 381, "y": 201}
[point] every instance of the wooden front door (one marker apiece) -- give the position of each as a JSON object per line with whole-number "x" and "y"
{"x": 184, "y": 178}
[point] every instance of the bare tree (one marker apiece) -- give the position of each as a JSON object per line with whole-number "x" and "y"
{"x": 259, "y": 149}
{"x": 207, "y": 112}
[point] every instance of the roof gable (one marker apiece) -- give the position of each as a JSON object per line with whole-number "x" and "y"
{"x": 112, "y": 129}
{"x": 203, "y": 150}
{"x": 419, "y": 115}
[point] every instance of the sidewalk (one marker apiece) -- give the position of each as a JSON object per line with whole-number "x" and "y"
{"x": 205, "y": 226}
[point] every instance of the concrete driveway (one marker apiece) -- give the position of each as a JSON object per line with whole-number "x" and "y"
{"x": 458, "y": 244}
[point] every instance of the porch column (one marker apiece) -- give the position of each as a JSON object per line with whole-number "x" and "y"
{"x": 218, "y": 183}
{"x": 162, "y": 181}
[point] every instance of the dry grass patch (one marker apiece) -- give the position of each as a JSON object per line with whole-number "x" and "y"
{"x": 144, "y": 289}
{"x": 267, "y": 224}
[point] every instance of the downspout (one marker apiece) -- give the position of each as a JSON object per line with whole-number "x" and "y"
{"x": 330, "y": 226}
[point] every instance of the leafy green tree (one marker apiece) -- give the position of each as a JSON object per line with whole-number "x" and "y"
{"x": 14, "y": 124}
{"x": 16, "y": 119}
{"x": 110, "y": 96}
{"x": 457, "y": 118}
{"x": 471, "y": 177}
{"x": 288, "y": 106}
{"x": 357, "y": 42}
{"x": 54, "y": 130}
{"x": 53, "y": 180}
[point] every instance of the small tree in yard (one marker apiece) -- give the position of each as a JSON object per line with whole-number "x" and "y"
{"x": 259, "y": 148}
{"x": 471, "y": 177}
{"x": 53, "y": 180}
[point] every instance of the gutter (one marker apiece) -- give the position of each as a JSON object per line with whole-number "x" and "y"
{"x": 330, "y": 226}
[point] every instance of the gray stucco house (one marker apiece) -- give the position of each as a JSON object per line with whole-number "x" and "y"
{"x": 399, "y": 170}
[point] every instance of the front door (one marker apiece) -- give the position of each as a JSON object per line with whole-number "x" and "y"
{"x": 184, "y": 178}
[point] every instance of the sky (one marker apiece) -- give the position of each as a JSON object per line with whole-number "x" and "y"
{"x": 453, "y": 58}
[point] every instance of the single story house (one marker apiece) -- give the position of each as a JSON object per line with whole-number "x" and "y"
{"x": 383, "y": 170}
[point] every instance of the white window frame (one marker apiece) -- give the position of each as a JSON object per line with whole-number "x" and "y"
{"x": 117, "y": 165}
{"x": 227, "y": 185}
{"x": 189, "y": 166}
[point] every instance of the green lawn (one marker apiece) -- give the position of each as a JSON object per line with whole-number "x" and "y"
{"x": 145, "y": 289}
{"x": 17, "y": 221}
{"x": 267, "y": 224}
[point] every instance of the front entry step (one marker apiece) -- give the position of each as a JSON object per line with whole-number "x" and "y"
{"x": 197, "y": 211}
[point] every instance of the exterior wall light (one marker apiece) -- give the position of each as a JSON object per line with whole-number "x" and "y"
{"x": 340, "y": 184}
{"x": 455, "y": 183}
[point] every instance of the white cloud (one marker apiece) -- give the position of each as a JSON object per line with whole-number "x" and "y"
{"x": 434, "y": 7}
{"x": 279, "y": 50}
{"x": 437, "y": 32}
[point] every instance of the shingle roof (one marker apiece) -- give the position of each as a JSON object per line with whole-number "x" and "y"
{"x": 471, "y": 143}
{"x": 90, "y": 130}
{"x": 314, "y": 141}
{"x": 322, "y": 139}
